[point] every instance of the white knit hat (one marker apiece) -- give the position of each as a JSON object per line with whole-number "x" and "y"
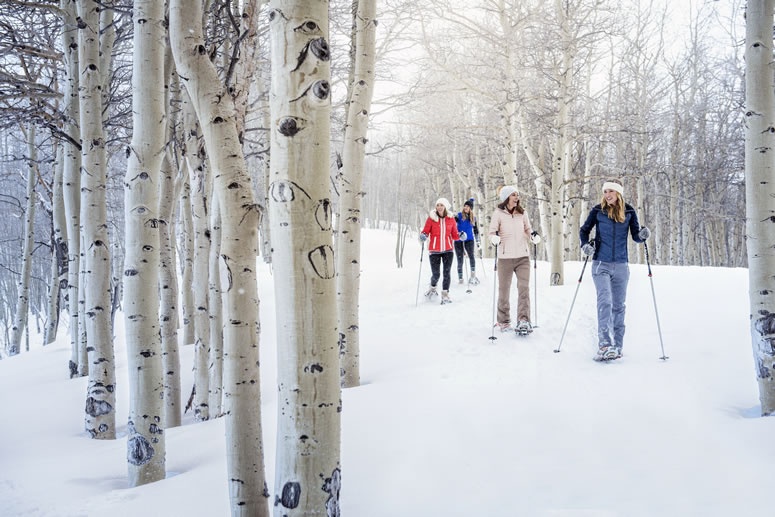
{"x": 506, "y": 191}
{"x": 444, "y": 201}
{"x": 611, "y": 185}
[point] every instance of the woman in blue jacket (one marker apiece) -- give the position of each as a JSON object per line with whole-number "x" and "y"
{"x": 466, "y": 225}
{"x": 613, "y": 219}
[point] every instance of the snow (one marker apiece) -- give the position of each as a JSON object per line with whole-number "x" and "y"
{"x": 448, "y": 422}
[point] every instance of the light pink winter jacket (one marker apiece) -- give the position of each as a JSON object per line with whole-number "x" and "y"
{"x": 514, "y": 230}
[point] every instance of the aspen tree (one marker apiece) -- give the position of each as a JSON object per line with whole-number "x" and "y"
{"x": 23, "y": 296}
{"x": 760, "y": 192}
{"x": 71, "y": 179}
{"x": 58, "y": 267}
{"x": 198, "y": 172}
{"x": 564, "y": 74}
{"x": 187, "y": 244}
{"x": 145, "y": 429}
{"x": 215, "y": 315}
{"x": 307, "y": 470}
{"x": 239, "y": 221}
{"x": 348, "y": 242}
{"x": 95, "y": 256}
{"x": 168, "y": 282}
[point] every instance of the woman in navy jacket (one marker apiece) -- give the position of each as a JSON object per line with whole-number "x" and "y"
{"x": 613, "y": 219}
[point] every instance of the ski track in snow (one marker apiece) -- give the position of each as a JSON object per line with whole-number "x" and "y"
{"x": 448, "y": 422}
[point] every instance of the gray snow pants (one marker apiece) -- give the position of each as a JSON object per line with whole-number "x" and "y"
{"x": 611, "y": 284}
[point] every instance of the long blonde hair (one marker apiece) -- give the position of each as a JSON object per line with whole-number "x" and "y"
{"x": 615, "y": 211}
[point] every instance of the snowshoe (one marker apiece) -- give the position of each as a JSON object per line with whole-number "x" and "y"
{"x": 431, "y": 293}
{"x": 445, "y": 298}
{"x": 473, "y": 280}
{"x": 503, "y": 327}
{"x": 608, "y": 353}
{"x": 524, "y": 328}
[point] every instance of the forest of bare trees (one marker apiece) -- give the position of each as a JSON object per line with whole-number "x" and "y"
{"x": 151, "y": 152}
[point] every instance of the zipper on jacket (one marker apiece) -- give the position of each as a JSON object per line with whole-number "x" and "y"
{"x": 442, "y": 232}
{"x": 613, "y": 247}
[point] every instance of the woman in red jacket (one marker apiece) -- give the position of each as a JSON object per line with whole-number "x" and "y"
{"x": 441, "y": 231}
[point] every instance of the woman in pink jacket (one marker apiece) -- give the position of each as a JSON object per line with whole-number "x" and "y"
{"x": 441, "y": 230}
{"x": 510, "y": 232}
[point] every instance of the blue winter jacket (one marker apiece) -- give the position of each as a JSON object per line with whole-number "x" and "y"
{"x": 464, "y": 225}
{"x": 610, "y": 237}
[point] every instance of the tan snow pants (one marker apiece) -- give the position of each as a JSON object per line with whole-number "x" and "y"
{"x": 506, "y": 269}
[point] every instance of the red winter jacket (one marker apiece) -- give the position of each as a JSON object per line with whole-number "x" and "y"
{"x": 442, "y": 232}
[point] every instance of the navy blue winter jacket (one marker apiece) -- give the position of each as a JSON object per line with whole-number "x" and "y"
{"x": 610, "y": 237}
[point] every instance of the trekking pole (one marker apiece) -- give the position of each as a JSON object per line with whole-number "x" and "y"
{"x": 494, "y": 281}
{"x": 571, "y": 304}
{"x": 535, "y": 282}
{"x": 419, "y": 275}
{"x": 465, "y": 273}
{"x": 654, "y": 296}
{"x": 481, "y": 259}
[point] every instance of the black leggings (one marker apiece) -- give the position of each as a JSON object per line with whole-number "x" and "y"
{"x": 436, "y": 259}
{"x": 469, "y": 250}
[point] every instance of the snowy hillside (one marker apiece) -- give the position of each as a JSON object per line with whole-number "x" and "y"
{"x": 447, "y": 422}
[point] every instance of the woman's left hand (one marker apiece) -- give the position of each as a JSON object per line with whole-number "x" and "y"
{"x": 644, "y": 233}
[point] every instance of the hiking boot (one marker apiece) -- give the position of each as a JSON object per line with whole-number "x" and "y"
{"x": 473, "y": 280}
{"x": 503, "y": 327}
{"x": 431, "y": 292}
{"x": 445, "y": 297}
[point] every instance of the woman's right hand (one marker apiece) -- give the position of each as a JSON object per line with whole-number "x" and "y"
{"x": 495, "y": 240}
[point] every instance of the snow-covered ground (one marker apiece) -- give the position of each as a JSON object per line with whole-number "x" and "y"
{"x": 448, "y": 422}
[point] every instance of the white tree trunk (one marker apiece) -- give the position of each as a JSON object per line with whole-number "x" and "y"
{"x": 101, "y": 398}
{"x": 59, "y": 250}
{"x": 245, "y": 458}
{"x": 23, "y": 292}
{"x": 168, "y": 284}
{"x": 537, "y": 165}
{"x": 145, "y": 432}
{"x": 307, "y": 471}
{"x": 198, "y": 172}
{"x": 170, "y": 183}
{"x": 83, "y": 354}
{"x": 187, "y": 252}
{"x": 214, "y": 302}
{"x": 564, "y": 74}
{"x": 760, "y": 193}
{"x": 52, "y": 303}
{"x": 71, "y": 178}
{"x": 348, "y": 242}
